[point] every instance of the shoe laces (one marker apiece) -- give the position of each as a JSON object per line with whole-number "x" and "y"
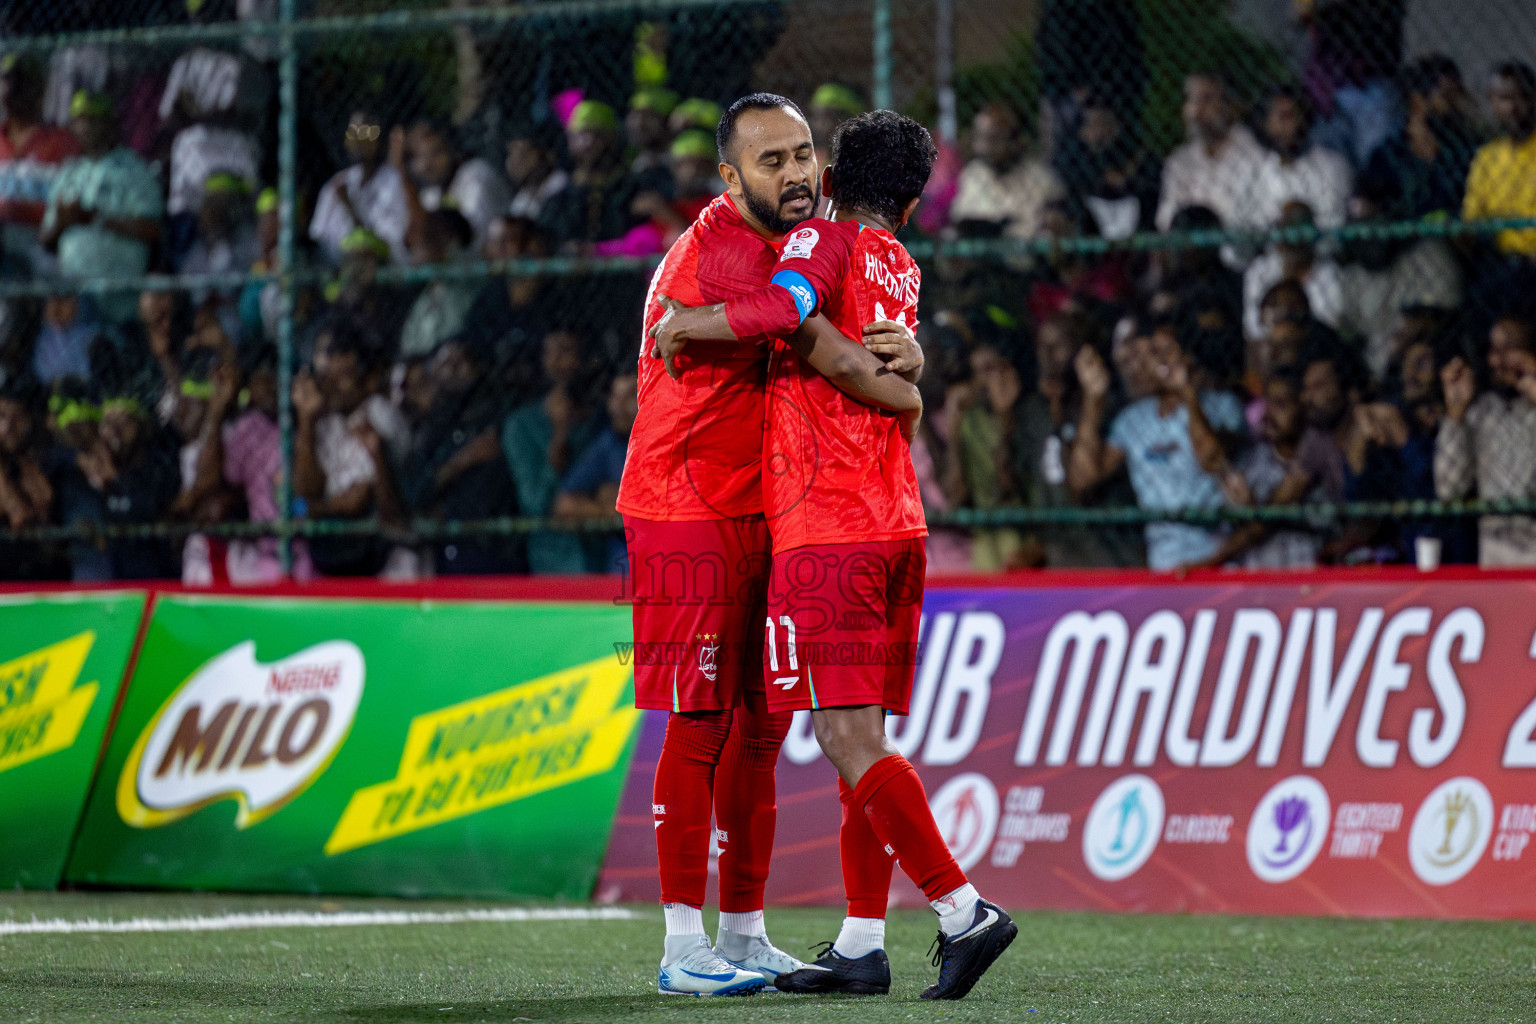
{"x": 822, "y": 948}
{"x": 940, "y": 948}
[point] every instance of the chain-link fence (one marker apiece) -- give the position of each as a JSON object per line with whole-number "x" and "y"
{"x": 338, "y": 287}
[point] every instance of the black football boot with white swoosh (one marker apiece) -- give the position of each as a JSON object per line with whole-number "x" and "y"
{"x": 868, "y": 975}
{"x": 962, "y": 959}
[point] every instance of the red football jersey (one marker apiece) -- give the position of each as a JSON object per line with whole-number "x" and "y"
{"x": 836, "y": 471}
{"x": 695, "y": 449}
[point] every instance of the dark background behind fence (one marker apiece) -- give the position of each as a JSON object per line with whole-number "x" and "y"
{"x": 355, "y": 288}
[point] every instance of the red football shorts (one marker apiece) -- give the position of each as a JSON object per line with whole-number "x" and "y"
{"x": 842, "y": 625}
{"x": 697, "y": 591}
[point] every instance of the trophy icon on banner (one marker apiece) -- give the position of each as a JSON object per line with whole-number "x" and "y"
{"x": 1289, "y": 814}
{"x": 1455, "y": 804}
{"x": 1130, "y": 805}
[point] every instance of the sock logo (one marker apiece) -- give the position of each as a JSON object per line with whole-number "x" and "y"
{"x": 890, "y": 851}
{"x": 658, "y": 808}
{"x": 721, "y": 836}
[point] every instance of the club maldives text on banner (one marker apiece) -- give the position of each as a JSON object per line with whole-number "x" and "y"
{"x": 1340, "y": 748}
{"x": 62, "y": 659}
{"x": 434, "y": 748}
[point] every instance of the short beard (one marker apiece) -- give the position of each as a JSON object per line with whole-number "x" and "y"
{"x": 767, "y": 212}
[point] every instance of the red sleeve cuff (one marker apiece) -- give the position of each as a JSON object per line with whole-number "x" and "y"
{"x": 769, "y": 312}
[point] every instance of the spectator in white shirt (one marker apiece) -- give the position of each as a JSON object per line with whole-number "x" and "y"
{"x": 436, "y": 175}
{"x": 1001, "y": 184}
{"x": 1318, "y": 275}
{"x": 1293, "y": 168}
{"x": 369, "y": 194}
{"x": 1219, "y": 166}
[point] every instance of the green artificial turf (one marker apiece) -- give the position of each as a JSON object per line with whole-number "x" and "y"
{"x": 1064, "y": 967}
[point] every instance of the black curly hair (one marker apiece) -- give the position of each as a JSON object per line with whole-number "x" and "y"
{"x": 880, "y": 162}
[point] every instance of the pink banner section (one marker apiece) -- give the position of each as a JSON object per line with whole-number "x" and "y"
{"x": 1311, "y": 746}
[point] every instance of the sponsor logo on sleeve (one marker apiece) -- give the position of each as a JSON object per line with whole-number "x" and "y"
{"x": 238, "y": 729}
{"x": 800, "y": 244}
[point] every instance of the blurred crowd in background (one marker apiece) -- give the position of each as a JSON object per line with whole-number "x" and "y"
{"x": 1390, "y": 365}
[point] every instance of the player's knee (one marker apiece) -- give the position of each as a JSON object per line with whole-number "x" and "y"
{"x": 844, "y": 735}
{"x": 698, "y": 735}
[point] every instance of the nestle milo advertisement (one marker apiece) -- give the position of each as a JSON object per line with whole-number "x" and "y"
{"x": 417, "y": 748}
{"x": 62, "y": 659}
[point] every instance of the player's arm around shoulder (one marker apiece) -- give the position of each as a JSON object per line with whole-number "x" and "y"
{"x": 856, "y": 371}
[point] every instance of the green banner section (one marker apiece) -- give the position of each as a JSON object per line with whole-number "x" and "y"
{"x": 62, "y": 659}
{"x": 375, "y": 747}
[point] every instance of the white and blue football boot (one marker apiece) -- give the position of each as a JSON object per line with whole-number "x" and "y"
{"x": 701, "y": 972}
{"x": 757, "y": 954}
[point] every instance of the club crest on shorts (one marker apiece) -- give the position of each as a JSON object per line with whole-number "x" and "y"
{"x": 708, "y": 652}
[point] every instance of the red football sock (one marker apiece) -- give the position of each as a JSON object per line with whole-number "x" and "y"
{"x": 866, "y": 866}
{"x": 746, "y": 810}
{"x": 893, "y": 797}
{"x": 685, "y": 777}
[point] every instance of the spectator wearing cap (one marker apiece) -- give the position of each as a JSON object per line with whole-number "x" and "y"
{"x": 218, "y": 139}
{"x": 533, "y": 170}
{"x": 645, "y": 129}
{"x": 454, "y": 468}
{"x": 130, "y": 469}
{"x": 1486, "y": 445}
{"x": 693, "y": 163}
{"x": 104, "y": 207}
{"x": 226, "y": 240}
{"x": 1502, "y": 180}
{"x": 1002, "y": 188}
{"x": 1421, "y": 169}
{"x": 31, "y": 153}
{"x": 831, "y": 104}
{"x": 368, "y": 194}
{"x": 1295, "y": 169}
{"x": 440, "y": 309}
{"x": 435, "y": 175}
{"x": 595, "y": 206}
{"x": 695, "y": 112}
{"x": 1218, "y": 167}
{"x": 1299, "y": 260}
{"x": 260, "y": 302}
{"x": 376, "y": 310}
{"x": 206, "y": 394}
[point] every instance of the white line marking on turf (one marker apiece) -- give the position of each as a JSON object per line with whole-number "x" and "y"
{"x": 306, "y": 919}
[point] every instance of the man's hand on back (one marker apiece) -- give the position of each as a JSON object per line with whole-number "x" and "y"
{"x": 894, "y": 342}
